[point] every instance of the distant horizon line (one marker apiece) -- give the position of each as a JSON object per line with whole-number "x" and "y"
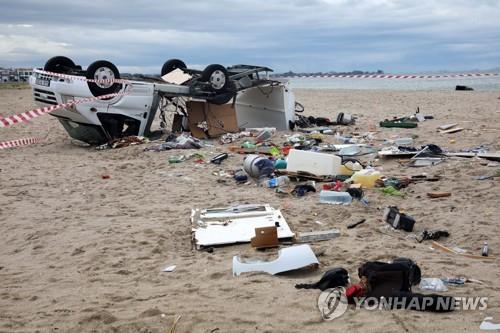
{"x": 329, "y": 72}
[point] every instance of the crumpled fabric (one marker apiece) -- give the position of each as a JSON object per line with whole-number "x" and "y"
{"x": 183, "y": 141}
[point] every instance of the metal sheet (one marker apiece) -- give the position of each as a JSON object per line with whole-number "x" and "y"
{"x": 289, "y": 258}
{"x": 235, "y": 224}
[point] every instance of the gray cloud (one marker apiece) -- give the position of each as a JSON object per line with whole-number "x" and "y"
{"x": 295, "y": 34}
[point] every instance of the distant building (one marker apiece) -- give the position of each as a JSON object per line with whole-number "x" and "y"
{"x": 15, "y": 74}
{"x": 23, "y": 74}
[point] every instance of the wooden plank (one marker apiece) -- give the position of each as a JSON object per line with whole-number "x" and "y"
{"x": 448, "y": 250}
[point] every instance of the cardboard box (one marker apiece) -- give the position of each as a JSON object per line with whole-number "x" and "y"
{"x": 265, "y": 237}
{"x": 216, "y": 119}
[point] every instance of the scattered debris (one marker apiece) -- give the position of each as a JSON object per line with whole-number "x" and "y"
{"x": 131, "y": 140}
{"x": 334, "y": 197}
{"x": 355, "y": 224}
{"x": 447, "y": 126}
{"x": 432, "y": 235}
{"x": 183, "y": 141}
{"x": 265, "y": 237}
{"x": 452, "y": 130}
{"x": 389, "y": 190}
{"x": 398, "y": 122}
{"x": 335, "y": 277}
{"x": 443, "y": 248}
{"x": 463, "y": 88}
{"x": 169, "y": 268}
{"x": 487, "y": 325}
{"x": 317, "y": 236}
{"x": 438, "y": 194}
{"x": 432, "y": 284}
{"x": 398, "y": 220}
{"x": 236, "y": 224}
{"x": 317, "y": 164}
{"x": 489, "y": 156}
{"x": 290, "y": 258}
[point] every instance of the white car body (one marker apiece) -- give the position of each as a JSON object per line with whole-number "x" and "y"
{"x": 92, "y": 122}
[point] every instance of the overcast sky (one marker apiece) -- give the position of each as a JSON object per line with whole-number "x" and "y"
{"x": 299, "y": 35}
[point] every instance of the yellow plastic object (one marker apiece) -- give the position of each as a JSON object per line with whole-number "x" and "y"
{"x": 345, "y": 171}
{"x": 349, "y": 168}
{"x": 366, "y": 178}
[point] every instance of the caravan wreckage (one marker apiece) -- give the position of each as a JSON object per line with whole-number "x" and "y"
{"x": 134, "y": 103}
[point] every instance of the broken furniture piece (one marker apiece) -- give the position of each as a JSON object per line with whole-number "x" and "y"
{"x": 290, "y": 258}
{"x": 235, "y": 224}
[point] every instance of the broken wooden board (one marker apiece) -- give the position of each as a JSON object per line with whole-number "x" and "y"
{"x": 438, "y": 194}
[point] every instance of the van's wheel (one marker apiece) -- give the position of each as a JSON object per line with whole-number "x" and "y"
{"x": 105, "y": 72}
{"x": 60, "y": 65}
{"x": 217, "y": 76}
{"x": 171, "y": 65}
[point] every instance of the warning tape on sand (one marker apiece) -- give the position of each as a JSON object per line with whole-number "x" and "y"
{"x": 81, "y": 78}
{"x": 393, "y": 76}
{"x": 19, "y": 142}
{"x": 28, "y": 115}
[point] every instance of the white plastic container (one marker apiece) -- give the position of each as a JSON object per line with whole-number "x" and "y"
{"x": 318, "y": 164}
{"x": 334, "y": 197}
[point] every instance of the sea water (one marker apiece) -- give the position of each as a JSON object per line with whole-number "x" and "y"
{"x": 491, "y": 83}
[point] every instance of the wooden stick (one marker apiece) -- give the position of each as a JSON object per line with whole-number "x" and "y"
{"x": 447, "y": 249}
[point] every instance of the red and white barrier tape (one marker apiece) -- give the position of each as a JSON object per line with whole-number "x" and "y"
{"x": 80, "y": 78}
{"x": 28, "y": 115}
{"x": 19, "y": 142}
{"x": 393, "y": 76}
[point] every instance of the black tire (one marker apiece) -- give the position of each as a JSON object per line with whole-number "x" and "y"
{"x": 217, "y": 76}
{"x": 59, "y": 64}
{"x": 104, "y": 70}
{"x": 171, "y": 65}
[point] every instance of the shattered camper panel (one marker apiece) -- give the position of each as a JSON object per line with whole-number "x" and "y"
{"x": 236, "y": 224}
{"x": 289, "y": 259}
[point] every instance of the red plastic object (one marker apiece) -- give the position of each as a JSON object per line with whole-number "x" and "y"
{"x": 356, "y": 290}
{"x": 328, "y": 186}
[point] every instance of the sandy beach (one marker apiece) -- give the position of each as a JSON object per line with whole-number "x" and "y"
{"x": 79, "y": 253}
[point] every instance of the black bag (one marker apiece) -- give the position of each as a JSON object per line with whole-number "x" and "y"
{"x": 335, "y": 277}
{"x": 388, "y": 279}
